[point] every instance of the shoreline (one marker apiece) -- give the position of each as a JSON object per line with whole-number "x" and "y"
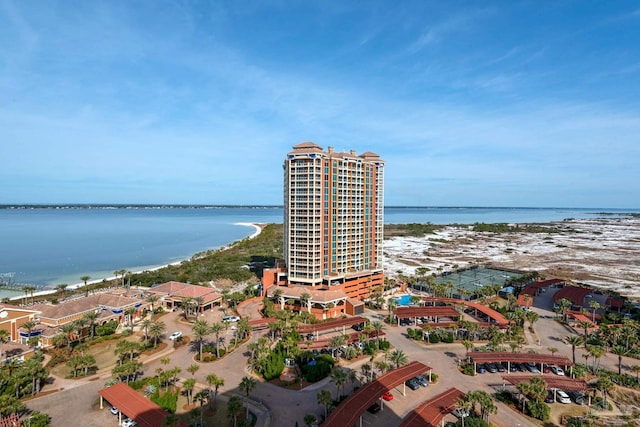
{"x": 257, "y": 230}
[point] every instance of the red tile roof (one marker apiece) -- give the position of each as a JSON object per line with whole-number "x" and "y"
{"x": 564, "y": 383}
{"x": 437, "y": 311}
{"x": 348, "y": 412}
{"x": 431, "y": 412}
{"x": 134, "y": 405}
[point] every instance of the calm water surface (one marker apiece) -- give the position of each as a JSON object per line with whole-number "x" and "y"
{"x": 51, "y": 246}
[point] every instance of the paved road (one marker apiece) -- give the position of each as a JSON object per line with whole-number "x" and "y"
{"x": 290, "y": 406}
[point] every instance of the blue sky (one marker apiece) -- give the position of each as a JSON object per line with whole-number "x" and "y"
{"x": 469, "y": 103}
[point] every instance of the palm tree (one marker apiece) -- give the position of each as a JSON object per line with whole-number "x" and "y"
{"x": 4, "y": 337}
{"x": 198, "y": 302}
{"x": 399, "y": 358}
{"x": 216, "y": 382}
{"x": 216, "y": 329}
{"x": 325, "y": 399}
{"x": 310, "y": 419}
{"x": 464, "y": 406}
{"x": 152, "y": 299}
{"x": 595, "y": 305}
{"x": 247, "y": 385}
{"x": 339, "y": 378}
{"x": 596, "y": 351}
{"x": 130, "y": 312}
{"x": 90, "y": 317}
{"x": 156, "y": 329}
{"x": 487, "y": 404}
{"x": 28, "y": 290}
{"x": 201, "y": 330}
{"x": 619, "y": 351}
{"x": 85, "y": 279}
{"x": 145, "y": 325}
{"x": 62, "y": 288}
{"x": 234, "y": 406}
{"x": 29, "y": 326}
{"x": 636, "y": 369}
{"x": 201, "y": 397}
{"x": 305, "y": 298}
{"x": 377, "y": 326}
{"x": 188, "y": 386}
{"x": 574, "y": 341}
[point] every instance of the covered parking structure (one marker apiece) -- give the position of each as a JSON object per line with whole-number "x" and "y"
{"x": 331, "y": 325}
{"x": 573, "y": 293}
{"x": 431, "y": 412}
{"x": 351, "y": 409}
{"x": 553, "y": 383}
{"x": 130, "y": 403}
{"x": 503, "y": 356}
{"x": 435, "y": 313}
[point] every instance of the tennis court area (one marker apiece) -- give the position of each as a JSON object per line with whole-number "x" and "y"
{"x": 474, "y": 278}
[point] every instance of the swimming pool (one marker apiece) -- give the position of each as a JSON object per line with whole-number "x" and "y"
{"x": 403, "y": 300}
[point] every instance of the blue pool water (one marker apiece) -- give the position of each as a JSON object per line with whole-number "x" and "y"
{"x": 403, "y": 300}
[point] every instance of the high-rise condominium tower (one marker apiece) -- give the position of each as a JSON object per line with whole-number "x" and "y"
{"x": 333, "y": 219}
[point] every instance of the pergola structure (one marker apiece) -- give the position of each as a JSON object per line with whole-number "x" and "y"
{"x": 351, "y": 409}
{"x": 433, "y": 312}
{"x": 554, "y": 383}
{"x": 431, "y": 412}
{"x": 503, "y": 356}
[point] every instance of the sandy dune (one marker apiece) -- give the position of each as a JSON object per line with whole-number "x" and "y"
{"x": 602, "y": 252}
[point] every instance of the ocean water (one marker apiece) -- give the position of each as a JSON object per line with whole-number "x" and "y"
{"x": 49, "y": 246}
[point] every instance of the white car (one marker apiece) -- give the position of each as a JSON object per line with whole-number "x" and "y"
{"x": 230, "y": 319}
{"x": 114, "y": 410}
{"x": 129, "y": 423}
{"x": 562, "y": 397}
{"x": 459, "y": 414}
{"x": 556, "y": 370}
{"x": 174, "y": 336}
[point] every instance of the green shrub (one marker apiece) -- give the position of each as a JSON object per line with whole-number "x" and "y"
{"x": 274, "y": 365}
{"x": 505, "y": 396}
{"x": 168, "y": 400}
{"x": 434, "y": 338}
{"x": 467, "y": 369}
{"x": 384, "y": 345}
{"x": 108, "y": 328}
{"x": 472, "y": 422}
{"x": 448, "y": 338}
{"x": 320, "y": 370}
{"x": 538, "y": 410}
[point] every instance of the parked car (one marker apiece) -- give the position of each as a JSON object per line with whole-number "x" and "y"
{"x": 481, "y": 369}
{"x": 129, "y": 423}
{"x": 387, "y": 396}
{"x": 531, "y": 367}
{"x": 549, "y": 398}
{"x": 114, "y": 410}
{"x": 502, "y": 367}
{"x": 358, "y": 327}
{"x": 412, "y": 384}
{"x": 576, "y": 396}
{"x": 459, "y": 414}
{"x": 522, "y": 367}
{"x": 374, "y": 409}
{"x": 230, "y": 319}
{"x": 174, "y": 336}
{"x": 562, "y": 397}
{"x": 421, "y": 380}
{"x": 556, "y": 370}
{"x": 358, "y": 345}
{"x": 492, "y": 368}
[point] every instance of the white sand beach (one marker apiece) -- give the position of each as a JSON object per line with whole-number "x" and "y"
{"x": 602, "y": 252}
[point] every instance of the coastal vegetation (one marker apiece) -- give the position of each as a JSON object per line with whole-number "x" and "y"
{"x": 481, "y": 227}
